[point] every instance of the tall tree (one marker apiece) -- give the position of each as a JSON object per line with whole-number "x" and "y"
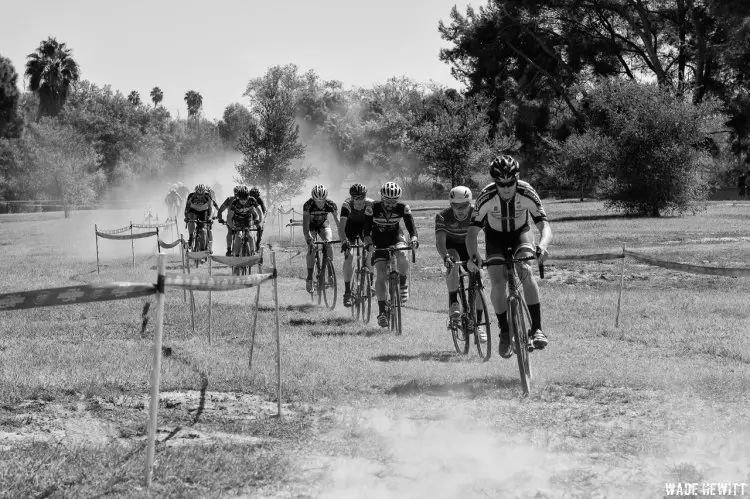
{"x": 270, "y": 145}
{"x": 194, "y": 102}
{"x": 156, "y": 96}
{"x": 235, "y": 122}
{"x": 51, "y": 70}
{"x": 9, "y": 96}
{"x": 134, "y": 98}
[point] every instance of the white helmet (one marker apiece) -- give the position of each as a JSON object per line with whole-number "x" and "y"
{"x": 460, "y": 194}
{"x": 390, "y": 190}
{"x": 319, "y": 192}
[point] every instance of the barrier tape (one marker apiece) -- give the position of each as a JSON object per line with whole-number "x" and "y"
{"x": 113, "y": 231}
{"x": 126, "y": 236}
{"x": 590, "y": 257}
{"x": 162, "y": 244}
{"x": 237, "y": 261}
{"x": 693, "y": 269}
{"x": 74, "y": 294}
{"x": 213, "y": 283}
{"x": 152, "y": 226}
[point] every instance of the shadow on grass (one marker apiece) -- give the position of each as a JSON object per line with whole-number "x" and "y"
{"x": 305, "y": 307}
{"x": 583, "y": 218}
{"x": 433, "y": 356}
{"x": 372, "y": 331}
{"x": 471, "y": 388}
{"x": 326, "y": 321}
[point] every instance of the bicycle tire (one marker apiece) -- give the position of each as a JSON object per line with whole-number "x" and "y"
{"x": 457, "y": 328}
{"x": 484, "y": 350}
{"x": 329, "y": 285}
{"x": 366, "y": 290}
{"x": 356, "y": 300}
{"x": 522, "y": 352}
{"x": 316, "y": 281}
{"x": 199, "y": 243}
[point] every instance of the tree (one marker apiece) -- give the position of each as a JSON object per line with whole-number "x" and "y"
{"x": 10, "y": 122}
{"x": 583, "y": 159}
{"x": 657, "y": 162}
{"x": 271, "y": 143}
{"x": 194, "y": 102}
{"x": 134, "y": 98}
{"x": 157, "y": 96}
{"x": 51, "y": 70}
{"x": 236, "y": 120}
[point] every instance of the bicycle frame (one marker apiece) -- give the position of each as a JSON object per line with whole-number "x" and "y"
{"x": 325, "y": 274}
{"x": 243, "y": 243}
{"x": 393, "y": 303}
{"x": 361, "y": 283}
{"x": 471, "y": 295}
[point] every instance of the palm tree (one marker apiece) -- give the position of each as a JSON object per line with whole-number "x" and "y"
{"x": 194, "y": 102}
{"x": 156, "y": 96}
{"x": 51, "y": 70}
{"x": 135, "y": 98}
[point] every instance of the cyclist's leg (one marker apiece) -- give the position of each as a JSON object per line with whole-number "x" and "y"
{"x": 524, "y": 248}
{"x": 230, "y": 238}
{"x": 497, "y": 244}
{"x": 326, "y": 234}
{"x": 402, "y": 260}
{"x": 210, "y": 235}
{"x": 191, "y": 229}
{"x": 451, "y": 280}
{"x": 380, "y": 262}
{"x": 258, "y": 238}
{"x": 311, "y": 254}
{"x": 348, "y": 268}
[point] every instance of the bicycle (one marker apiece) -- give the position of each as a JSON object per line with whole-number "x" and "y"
{"x": 243, "y": 245}
{"x": 393, "y": 301}
{"x": 200, "y": 238}
{"x": 361, "y": 285}
{"x": 462, "y": 327}
{"x": 324, "y": 275}
{"x": 519, "y": 318}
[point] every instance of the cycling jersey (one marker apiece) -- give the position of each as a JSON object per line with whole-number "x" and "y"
{"x": 319, "y": 216}
{"x": 243, "y": 215}
{"x": 261, "y": 204}
{"x": 173, "y": 198}
{"x": 495, "y": 215}
{"x": 385, "y": 226}
{"x": 354, "y": 215}
{"x": 455, "y": 229}
{"x": 198, "y": 202}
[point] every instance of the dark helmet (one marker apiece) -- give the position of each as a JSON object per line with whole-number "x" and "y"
{"x": 358, "y": 190}
{"x": 504, "y": 166}
{"x": 255, "y": 192}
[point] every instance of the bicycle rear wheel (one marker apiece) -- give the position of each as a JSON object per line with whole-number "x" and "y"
{"x": 457, "y": 328}
{"x": 316, "y": 282}
{"x": 329, "y": 285}
{"x": 356, "y": 299}
{"x": 395, "y": 304}
{"x": 366, "y": 293}
{"x": 484, "y": 348}
{"x": 520, "y": 341}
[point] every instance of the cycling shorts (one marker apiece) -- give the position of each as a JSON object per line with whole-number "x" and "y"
{"x": 203, "y": 216}
{"x": 381, "y": 250}
{"x": 323, "y": 233}
{"x": 463, "y": 252}
{"x": 497, "y": 242}
{"x": 354, "y": 230}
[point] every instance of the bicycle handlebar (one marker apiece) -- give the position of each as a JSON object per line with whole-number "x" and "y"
{"x": 326, "y": 242}
{"x": 492, "y": 262}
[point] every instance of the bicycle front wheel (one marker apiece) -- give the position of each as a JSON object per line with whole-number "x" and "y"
{"x": 329, "y": 285}
{"x": 395, "y": 302}
{"x": 457, "y": 328}
{"x": 316, "y": 282}
{"x": 521, "y": 342}
{"x": 356, "y": 300}
{"x": 484, "y": 348}
{"x": 365, "y": 285}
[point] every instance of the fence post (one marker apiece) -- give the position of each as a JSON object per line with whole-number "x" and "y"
{"x": 156, "y": 367}
{"x": 278, "y": 340}
{"x": 619, "y": 295}
{"x": 132, "y": 244}
{"x": 96, "y": 238}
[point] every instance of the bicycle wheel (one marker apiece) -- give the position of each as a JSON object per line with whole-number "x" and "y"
{"x": 457, "y": 328}
{"x": 199, "y": 245}
{"x": 316, "y": 281}
{"x": 365, "y": 285}
{"x": 395, "y": 301}
{"x": 356, "y": 299}
{"x": 329, "y": 285}
{"x": 484, "y": 348}
{"x": 520, "y": 341}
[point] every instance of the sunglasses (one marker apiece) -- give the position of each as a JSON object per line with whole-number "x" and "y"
{"x": 510, "y": 183}
{"x": 460, "y": 206}
{"x": 359, "y": 198}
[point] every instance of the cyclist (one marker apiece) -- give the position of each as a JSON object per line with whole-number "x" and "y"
{"x": 183, "y": 191}
{"x": 451, "y": 226}
{"x": 224, "y": 206}
{"x": 255, "y": 192}
{"x": 315, "y": 221}
{"x": 198, "y": 207}
{"x": 503, "y": 210}
{"x": 353, "y": 213}
{"x": 383, "y": 229}
{"x": 174, "y": 201}
{"x": 243, "y": 213}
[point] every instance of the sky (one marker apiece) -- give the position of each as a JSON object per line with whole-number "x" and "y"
{"x": 216, "y": 47}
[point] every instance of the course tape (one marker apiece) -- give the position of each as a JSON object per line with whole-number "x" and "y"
{"x": 694, "y": 269}
{"x": 112, "y": 231}
{"x": 126, "y": 236}
{"x": 153, "y": 226}
{"x": 74, "y": 294}
{"x": 590, "y": 257}
{"x": 212, "y": 283}
{"x": 162, "y": 244}
{"x": 237, "y": 261}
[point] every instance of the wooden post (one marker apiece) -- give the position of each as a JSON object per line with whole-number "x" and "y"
{"x": 96, "y": 238}
{"x": 153, "y": 405}
{"x": 619, "y": 295}
{"x": 255, "y": 317}
{"x": 132, "y": 244}
{"x": 209, "y": 300}
{"x": 278, "y": 340}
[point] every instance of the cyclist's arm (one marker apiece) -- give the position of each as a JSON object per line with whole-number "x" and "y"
{"x": 409, "y": 222}
{"x": 338, "y": 223}
{"x": 546, "y": 234}
{"x": 342, "y": 229}
{"x": 367, "y": 229}
{"x": 306, "y": 225}
{"x": 471, "y": 240}
{"x": 440, "y": 239}
{"x": 259, "y": 214}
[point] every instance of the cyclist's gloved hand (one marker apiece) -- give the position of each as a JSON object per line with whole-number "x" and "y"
{"x": 345, "y": 246}
{"x": 541, "y": 253}
{"x": 448, "y": 262}
{"x": 221, "y": 220}
{"x": 475, "y": 263}
{"x": 414, "y": 242}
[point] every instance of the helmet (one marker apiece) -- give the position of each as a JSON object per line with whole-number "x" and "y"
{"x": 255, "y": 192}
{"x": 242, "y": 191}
{"x": 358, "y": 190}
{"x": 504, "y": 166}
{"x": 173, "y": 188}
{"x": 319, "y": 192}
{"x": 252, "y": 201}
{"x": 201, "y": 189}
{"x": 460, "y": 194}
{"x": 179, "y": 184}
{"x": 237, "y": 189}
{"x": 390, "y": 190}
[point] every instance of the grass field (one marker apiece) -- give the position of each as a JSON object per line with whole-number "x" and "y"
{"x": 614, "y": 412}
